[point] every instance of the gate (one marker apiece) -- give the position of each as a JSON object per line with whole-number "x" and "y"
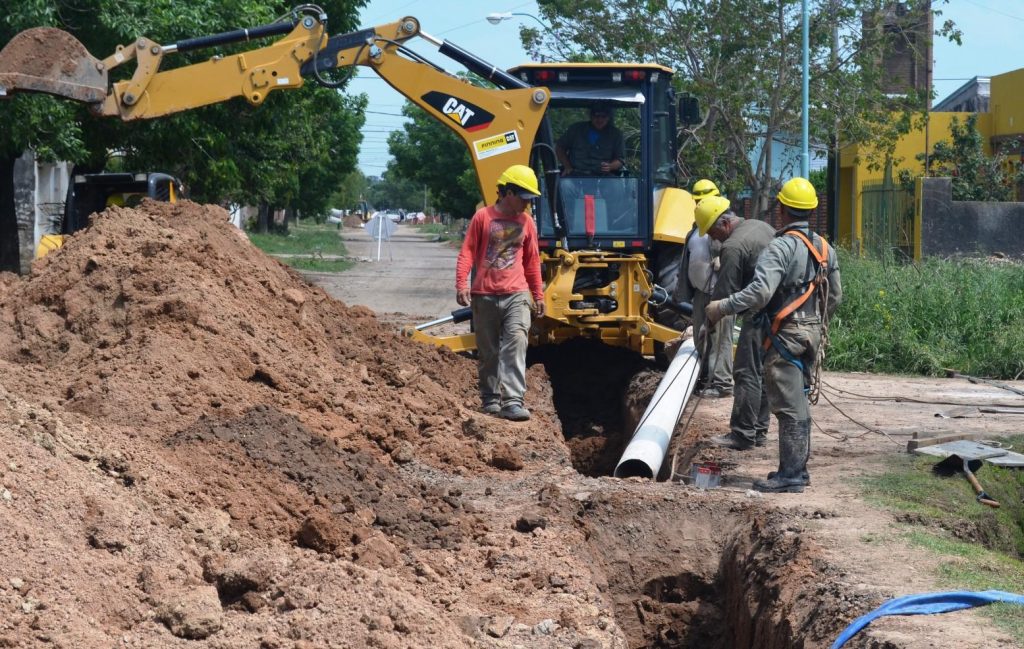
{"x": 888, "y": 219}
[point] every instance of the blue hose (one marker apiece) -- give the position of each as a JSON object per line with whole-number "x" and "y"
{"x": 928, "y": 604}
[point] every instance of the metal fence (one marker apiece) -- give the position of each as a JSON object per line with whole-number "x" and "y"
{"x": 888, "y": 219}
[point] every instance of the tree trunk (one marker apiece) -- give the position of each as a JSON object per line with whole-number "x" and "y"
{"x": 263, "y": 218}
{"x": 10, "y": 258}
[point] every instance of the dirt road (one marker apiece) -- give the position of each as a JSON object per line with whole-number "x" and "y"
{"x": 414, "y": 277}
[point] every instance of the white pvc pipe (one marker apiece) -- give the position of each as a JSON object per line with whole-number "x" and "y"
{"x": 646, "y": 451}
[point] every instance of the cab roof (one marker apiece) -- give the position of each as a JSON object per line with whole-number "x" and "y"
{"x": 591, "y": 66}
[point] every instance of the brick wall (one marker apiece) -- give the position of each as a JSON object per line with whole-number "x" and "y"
{"x": 819, "y": 219}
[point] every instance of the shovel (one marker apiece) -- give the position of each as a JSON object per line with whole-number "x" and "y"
{"x": 954, "y": 464}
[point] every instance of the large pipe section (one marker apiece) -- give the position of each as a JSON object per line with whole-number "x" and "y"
{"x": 646, "y": 451}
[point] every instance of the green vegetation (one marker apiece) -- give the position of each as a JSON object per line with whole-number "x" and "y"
{"x": 924, "y": 317}
{"x": 305, "y": 247}
{"x": 980, "y": 548}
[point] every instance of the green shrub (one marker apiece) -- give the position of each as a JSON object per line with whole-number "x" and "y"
{"x": 920, "y": 318}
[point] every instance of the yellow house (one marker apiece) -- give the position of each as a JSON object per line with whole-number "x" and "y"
{"x": 872, "y": 213}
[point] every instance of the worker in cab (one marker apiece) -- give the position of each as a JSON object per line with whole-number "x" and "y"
{"x": 592, "y": 148}
{"x": 742, "y": 241}
{"x": 501, "y": 246}
{"x": 796, "y": 289}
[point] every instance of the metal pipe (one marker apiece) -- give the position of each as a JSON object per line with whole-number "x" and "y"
{"x": 646, "y": 451}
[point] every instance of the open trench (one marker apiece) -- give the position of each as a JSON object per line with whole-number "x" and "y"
{"x": 683, "y": 568}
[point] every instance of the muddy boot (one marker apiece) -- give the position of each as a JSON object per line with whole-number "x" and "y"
{"x": 491, "y": 408}
{"x": 794, "y": 448}
{"x": 761, "y": 439}
{"x": 733, "y": 441}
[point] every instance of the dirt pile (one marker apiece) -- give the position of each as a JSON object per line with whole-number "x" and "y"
{"x": 197, "y": 444}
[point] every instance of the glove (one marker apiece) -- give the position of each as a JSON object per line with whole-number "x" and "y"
{"x": 713, "y": 312}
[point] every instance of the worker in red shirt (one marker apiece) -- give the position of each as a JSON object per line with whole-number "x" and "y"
{"x": 501, "y": 245}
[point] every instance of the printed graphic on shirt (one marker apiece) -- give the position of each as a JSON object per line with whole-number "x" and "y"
{"x": 503, "y": 242}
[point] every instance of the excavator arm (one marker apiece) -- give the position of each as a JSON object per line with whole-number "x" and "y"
{"x": 497, "y": 125}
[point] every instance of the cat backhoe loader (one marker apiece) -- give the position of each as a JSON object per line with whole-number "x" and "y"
{"x": 608, "y": 248}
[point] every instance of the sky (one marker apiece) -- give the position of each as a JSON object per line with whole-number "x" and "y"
{"x": 992, "y": 44}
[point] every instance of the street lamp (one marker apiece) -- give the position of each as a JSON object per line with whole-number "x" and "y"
{"x": 499, "y": 17}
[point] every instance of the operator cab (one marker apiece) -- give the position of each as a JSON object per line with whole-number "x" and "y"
{"x": 584, "y": 206}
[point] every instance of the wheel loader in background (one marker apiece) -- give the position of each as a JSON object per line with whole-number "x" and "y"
{"x": 607, "y": 253}
{"x": 92, "y": 193}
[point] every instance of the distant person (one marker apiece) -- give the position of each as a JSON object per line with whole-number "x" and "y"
{"x": 742, "y": 242}
{"x": 797, "y": 287}
{"x": 501, "y": 245}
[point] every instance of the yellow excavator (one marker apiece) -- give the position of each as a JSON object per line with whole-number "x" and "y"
{"x": 608, "y": 247}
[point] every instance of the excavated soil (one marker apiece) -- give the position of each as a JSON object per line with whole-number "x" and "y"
{"x": 197, "y": 448}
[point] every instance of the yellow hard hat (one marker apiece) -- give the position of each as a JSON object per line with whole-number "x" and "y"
{"x": 522, "y": 177}
{"x": 708, "y": 211}
{"x": 704, "y": 188}
{"x": 799, "y": 194}
{"x": 115, "y": 199}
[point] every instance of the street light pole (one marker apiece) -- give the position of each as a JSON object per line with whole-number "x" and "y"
{"x": 805, "y": 158}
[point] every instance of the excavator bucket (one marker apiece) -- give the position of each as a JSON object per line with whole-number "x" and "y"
{"x": 49, "y": 60}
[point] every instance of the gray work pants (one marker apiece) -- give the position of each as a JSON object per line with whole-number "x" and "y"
{"x": 750, "y": 415}
{"x": 784, "y": 380}
{"x": 501, "y": 324}
{"x": 716, "y": 365}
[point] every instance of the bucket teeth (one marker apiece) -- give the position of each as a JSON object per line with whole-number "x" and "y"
{"x": 49, "y": 60}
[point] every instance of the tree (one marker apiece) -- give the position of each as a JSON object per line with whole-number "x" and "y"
{"x": 428, "y": 153}
{"x": 291, "y": 152}
{"x": 976, "y": 176}
{"x": 742, "y": 59}
{"x": 392, "y": 191}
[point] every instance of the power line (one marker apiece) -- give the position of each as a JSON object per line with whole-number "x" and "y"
{"x": 995, "y": 11}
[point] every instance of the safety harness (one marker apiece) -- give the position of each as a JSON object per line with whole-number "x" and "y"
{"x": 817, "y": 274}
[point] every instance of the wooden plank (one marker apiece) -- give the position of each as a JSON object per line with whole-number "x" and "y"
{"x": 918, "y": 442}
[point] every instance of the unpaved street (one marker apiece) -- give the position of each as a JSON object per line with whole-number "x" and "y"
{"x": 415, "y": 275}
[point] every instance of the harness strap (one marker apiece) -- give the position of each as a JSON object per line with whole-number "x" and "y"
{"x": 822, "y": 258}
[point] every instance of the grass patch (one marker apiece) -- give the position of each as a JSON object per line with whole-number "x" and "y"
{"x": 310, "y": 242}
{"x": 443, "y": 232}
{"x": 318, "y": 265}
{"x": 303, "y": 238}
{"x": 921, "y": 318}
{"x": 979, "y": 548}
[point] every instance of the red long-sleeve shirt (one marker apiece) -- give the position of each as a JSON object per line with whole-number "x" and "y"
{"x": 504, "y": 251}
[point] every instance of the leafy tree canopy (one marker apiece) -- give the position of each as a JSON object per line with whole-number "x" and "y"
{"x": 293, "y": 151}
{"x": 428, "y": 153}
{"x": 742, "y": 59}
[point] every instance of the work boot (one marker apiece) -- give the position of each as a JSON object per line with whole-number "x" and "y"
{"x": 794, "y": 448}
{"x": 761, "y": 439}
{"x": 514, "y": 412}
{"x": 733, "y": 441}
{"x": 715, "y": 393}
{"x": 491, "y": 408}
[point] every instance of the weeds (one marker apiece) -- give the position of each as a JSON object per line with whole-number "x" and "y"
{"x": 925, "y": 317}
{"x": 307, "y": 246}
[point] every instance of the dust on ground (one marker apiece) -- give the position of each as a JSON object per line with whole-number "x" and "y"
{"x": 201, "y": 449}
